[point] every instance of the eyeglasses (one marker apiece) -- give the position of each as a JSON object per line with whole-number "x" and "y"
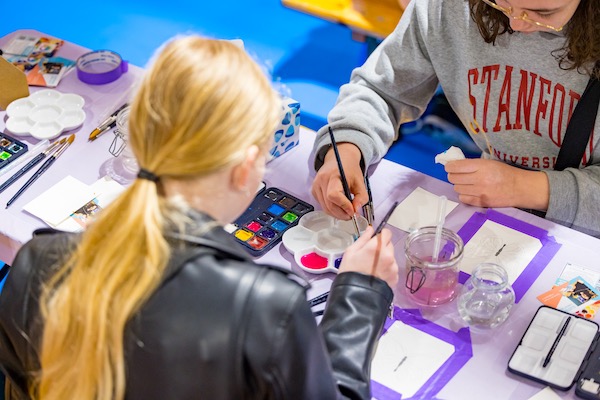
{"x": 508, "y": 11}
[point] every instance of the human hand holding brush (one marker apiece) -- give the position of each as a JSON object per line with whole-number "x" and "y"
{"x": 327, "y": 187}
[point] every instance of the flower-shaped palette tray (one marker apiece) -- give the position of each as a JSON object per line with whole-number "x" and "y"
{"x": 319, "y": 240}
{"x": 45, "y": 114}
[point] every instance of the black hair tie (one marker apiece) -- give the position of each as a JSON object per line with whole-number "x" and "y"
{"x": 145, "y": 174}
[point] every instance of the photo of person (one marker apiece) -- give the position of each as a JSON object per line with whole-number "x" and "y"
{"x": 579, "y": 292}
{"x": 84, "y": 214}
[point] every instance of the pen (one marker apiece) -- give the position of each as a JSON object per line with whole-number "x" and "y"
{"x": 107, "y": 124}
{"x": 343, "y": 178}
{"x": 42, "y": 169}
{"x": 32, "y": 163}
{"x": 385, "y": 219}
{"x": 561, "y": 333}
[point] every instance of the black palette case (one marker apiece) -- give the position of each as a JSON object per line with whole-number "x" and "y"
{"x": 269, "y": 216}
{"x": 557, "y": 350}
{"x": 10, "y": 149}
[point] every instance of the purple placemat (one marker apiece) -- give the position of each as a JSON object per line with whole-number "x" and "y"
{"x": 463, "y": 351}
{"x": 537, "y": 263}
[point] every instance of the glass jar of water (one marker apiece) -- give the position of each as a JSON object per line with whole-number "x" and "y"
{"x": 432, "y": 268}
{"x": 486, "y": 298}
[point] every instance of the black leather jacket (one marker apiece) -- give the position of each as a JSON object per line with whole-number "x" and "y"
{"x": 218, "y": 327}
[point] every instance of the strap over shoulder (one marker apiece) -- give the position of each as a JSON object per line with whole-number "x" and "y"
{"x": 580, "y": 126}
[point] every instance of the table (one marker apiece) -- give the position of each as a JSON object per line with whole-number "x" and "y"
{"x": 484, "y": 375}
{"x": 81, "y": 160}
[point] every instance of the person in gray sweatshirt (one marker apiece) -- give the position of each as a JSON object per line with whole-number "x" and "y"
{"x": 512, "y": 70}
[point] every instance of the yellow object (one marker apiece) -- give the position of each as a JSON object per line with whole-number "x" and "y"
{"x": 376, "y": 18}
{"x": 243, "y": 235}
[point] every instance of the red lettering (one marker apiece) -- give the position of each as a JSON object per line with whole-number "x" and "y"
{"x": 573, "y": 100}
{"x": 542, "y": 105}
{"x": 472, "y": 76}
{"x": 524, "y": 161}
{"x": 558, "y": 89}
{"x": 524, "y": 100}
{"x": 486, "y": 76}
{"x": 546, "y": 163}
{"x": 513, "y": 159}
{"x": 535, "y": 162}
{"x": 504, "y": 101}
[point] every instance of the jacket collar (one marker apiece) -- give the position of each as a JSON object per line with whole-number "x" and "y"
{"x": 202, "y": 230}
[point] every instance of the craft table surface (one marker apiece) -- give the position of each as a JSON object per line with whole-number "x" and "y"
{"x": 82, "y": 159}
{"x": 484, "y": 375}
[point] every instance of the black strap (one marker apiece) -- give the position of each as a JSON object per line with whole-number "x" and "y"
{"x": 580, "y": 126}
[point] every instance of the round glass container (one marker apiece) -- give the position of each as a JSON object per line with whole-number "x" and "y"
{"x": 432, "y": 280}
{"x": 124, "y": 167}
{"x": 486, "y": 298}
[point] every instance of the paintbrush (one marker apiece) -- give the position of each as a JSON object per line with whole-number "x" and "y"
{"x": 368, "y": 209}
{"x": 32, "y": 163}
{"x": 385, "y": 219}
{"x": 42, "y": 169}
{"x": 343, "y": 178}
{"x": 476, "y": 129}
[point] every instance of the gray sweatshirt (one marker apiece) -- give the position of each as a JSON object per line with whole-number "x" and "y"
{"x": 514, "y": 90}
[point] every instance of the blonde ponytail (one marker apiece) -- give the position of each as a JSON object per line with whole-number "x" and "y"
{"x": 201, "y": 103}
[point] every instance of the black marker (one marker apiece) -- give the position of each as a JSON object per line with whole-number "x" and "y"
{"x": 561, "y": 333}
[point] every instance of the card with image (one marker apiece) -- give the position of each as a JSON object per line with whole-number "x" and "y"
{"x": 575, "y": 296}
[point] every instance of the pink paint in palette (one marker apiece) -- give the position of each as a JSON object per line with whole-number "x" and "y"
{"x": 313, "y": 261}
{"x": 319, "y": 240}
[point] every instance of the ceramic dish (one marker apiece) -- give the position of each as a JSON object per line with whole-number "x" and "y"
{"x": 319, "y": 240}
{"x": 45, "y": 114}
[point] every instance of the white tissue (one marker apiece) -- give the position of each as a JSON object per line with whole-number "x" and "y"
{"x": 453, "y": 153}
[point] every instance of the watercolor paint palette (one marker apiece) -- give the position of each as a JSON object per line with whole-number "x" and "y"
{"x": 10, "y": 149}
{"x": 271, "y": 214}
{"x": 319, "y": 241}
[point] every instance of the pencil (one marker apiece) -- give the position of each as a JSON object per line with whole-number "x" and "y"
{"x": 343, "y": 178}
{"x": 385, "y": 219}
{"x": 42, "y": 169}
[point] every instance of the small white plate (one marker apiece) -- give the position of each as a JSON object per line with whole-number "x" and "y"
{"x": 319, "y": 241}
{"x": 45, "y": 114}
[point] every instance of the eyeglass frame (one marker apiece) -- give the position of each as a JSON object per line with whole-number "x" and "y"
{"x": 523, "y": 17}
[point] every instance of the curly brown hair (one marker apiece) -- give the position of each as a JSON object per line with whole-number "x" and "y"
{"x": 582, "y": 47}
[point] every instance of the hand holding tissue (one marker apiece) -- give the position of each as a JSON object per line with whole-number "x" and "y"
{"x": 453, "y": 153}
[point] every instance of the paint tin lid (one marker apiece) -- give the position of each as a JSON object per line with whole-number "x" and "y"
{"x": 100, "y": 67}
